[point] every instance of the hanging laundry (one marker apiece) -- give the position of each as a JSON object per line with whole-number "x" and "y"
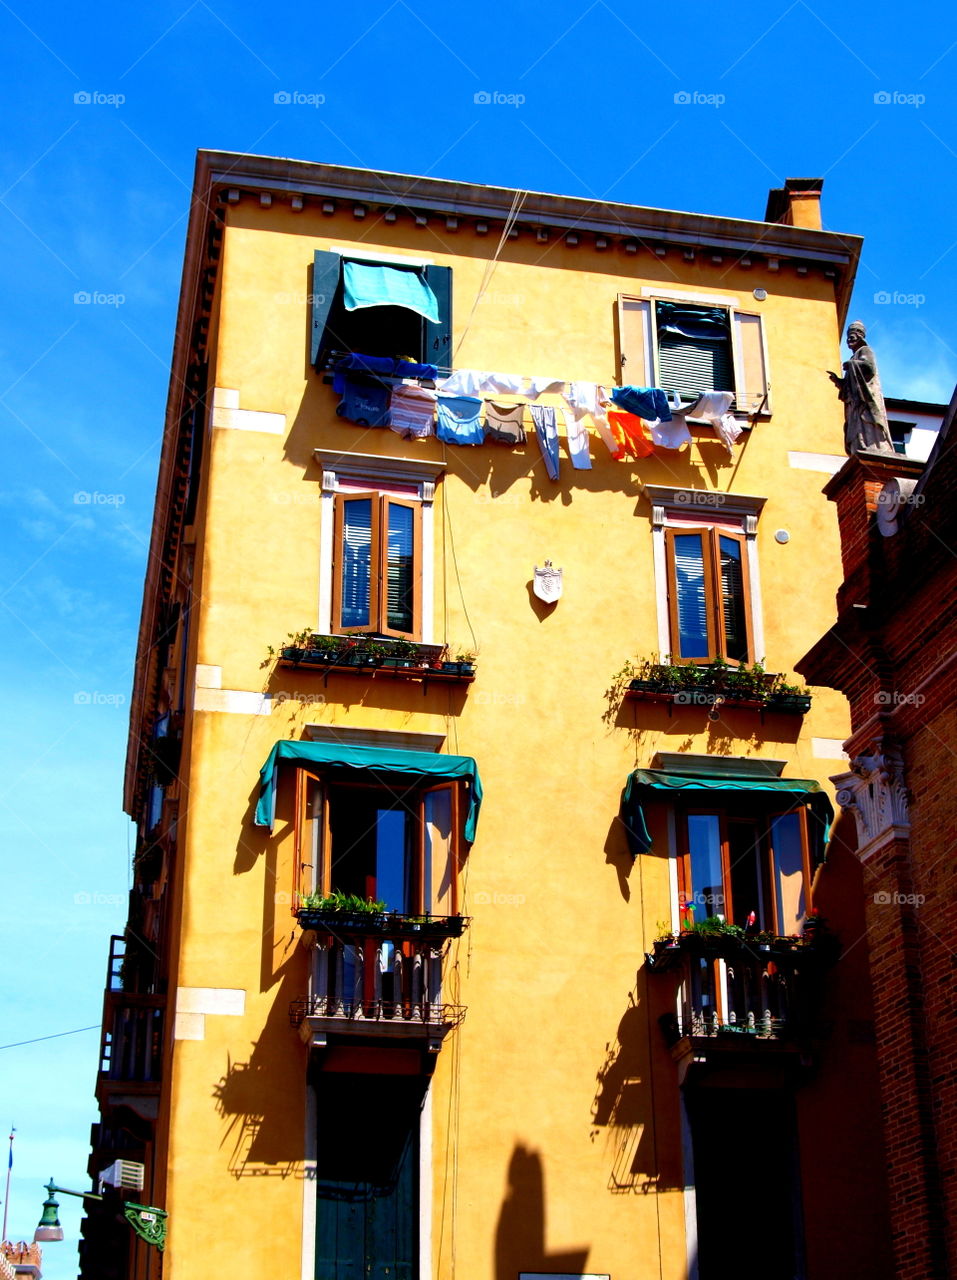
{"x": 412, "y": 411}
{"x": 510, "y": 384}
{"x": 576, "y": 435}
{"x": 608, "y": 437}
{"x": 585, "y": 397}
{"x": 459, "y": 420}
{"x": 729, "y": 430}
{"x": 673, "y": 434}
{"x": 713, "y": 406}
{"x": 504, "y": 423}
{"x": 463, "y": 382}
{"x": 546, "y": 428}
{"x": 629, "y": 431}
{"x": 386, "y": 366}
{"x": 539, "y": 386}
{"x": 645, "y": 402}
{"x": 365, "y": 401}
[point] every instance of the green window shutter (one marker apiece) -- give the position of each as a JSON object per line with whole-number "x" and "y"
{"x": 326, "y": 270}
{"x": 438, "y": 337}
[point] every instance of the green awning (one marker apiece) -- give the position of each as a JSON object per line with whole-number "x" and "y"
{"x": 649, "y": 784}
{"x": 368, "y": 284}
{"x": 376, "y": 761}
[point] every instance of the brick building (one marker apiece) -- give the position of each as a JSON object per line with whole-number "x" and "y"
{"x": 893, "y": 652}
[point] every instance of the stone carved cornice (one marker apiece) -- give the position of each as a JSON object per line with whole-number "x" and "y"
{"x": 875, "y": 791}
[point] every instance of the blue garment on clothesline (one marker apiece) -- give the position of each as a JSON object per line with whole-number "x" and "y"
{"x": 645, "y": 402}
{"x": 460, "y": 420}
{"x": 385, "y": 366}
{"x": 365, "y": 401}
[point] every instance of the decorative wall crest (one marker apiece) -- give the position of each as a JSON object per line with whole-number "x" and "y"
{"x": 547, "y": 583}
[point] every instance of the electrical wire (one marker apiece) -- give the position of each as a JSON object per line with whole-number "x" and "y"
{"x": 36, "y": 1040}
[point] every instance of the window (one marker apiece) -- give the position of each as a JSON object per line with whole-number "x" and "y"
{"x": 708, "y": 591}
{"x": 377, "y": 564}
{"x": 708, "y": 595}
{"x": 376, "y": 553}
{"x": 733, "y": 862}
{"x": 694, "y": 345}
{"x": 396, "y": 841}
{"x": 385, "y": 328}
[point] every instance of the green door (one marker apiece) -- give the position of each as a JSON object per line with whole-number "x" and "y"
{"x": 367, "y": 1177}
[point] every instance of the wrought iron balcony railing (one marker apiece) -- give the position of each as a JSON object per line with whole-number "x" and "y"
{"x": 377, "y": 981}
{"x": 743, "y": 991}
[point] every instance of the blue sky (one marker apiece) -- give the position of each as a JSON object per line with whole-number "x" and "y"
{"x": 106, "y": 106}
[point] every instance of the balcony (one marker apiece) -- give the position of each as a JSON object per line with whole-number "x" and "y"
{"x": 378, "y": 978}
{"x": 742, "y": 996}
{"x": 131, "y": 1049}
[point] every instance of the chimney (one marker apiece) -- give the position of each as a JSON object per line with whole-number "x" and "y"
{"x": 796, "y": 204}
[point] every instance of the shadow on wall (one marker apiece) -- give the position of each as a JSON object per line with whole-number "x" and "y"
{"x": 623, "y": 1109}
{"x": 520, "y": 1234}
{"x": 261, "y": 1100}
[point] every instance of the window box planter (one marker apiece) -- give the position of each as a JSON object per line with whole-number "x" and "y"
{"x": 717, "y": 684}
{"x": 795, "y": 704}
{"x": 361, "y": 654}
{"x": 458, "y": 668}
{"x": 384, "y": 924}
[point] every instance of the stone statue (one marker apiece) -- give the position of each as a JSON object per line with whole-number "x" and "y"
{"x": 865, "y": 418}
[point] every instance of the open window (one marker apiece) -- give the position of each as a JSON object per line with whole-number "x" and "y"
{"x": 393, "y": 841}
{"x": 693, "y": 346}
{"x": 709, "y": 603}
{"x": 380, "y": 307}
{"x": 740, "y": 859}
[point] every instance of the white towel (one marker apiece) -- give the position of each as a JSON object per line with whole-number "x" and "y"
{"x": 538, "y": 386}
{"x": 576, "y": 435}
{"x": 463, "y": 382}
{"x": 670, "y": 435}
{"x": 512, "y": 384}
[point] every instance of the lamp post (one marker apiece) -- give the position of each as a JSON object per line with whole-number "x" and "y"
{"x": 48, "y": 1228}
{"x": 147, "y": 1221}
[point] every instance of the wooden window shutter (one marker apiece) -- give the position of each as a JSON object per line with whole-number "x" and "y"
{"x": 326, "y": 268}
{"x": 635, "y": 353}
{"x": 438, "y": 337}
{"x": 753, "y": 389}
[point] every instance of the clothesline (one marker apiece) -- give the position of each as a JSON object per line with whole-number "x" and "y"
{"x": 380, "y": 391}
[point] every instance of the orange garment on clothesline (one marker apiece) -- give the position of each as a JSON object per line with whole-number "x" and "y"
{"x": 629, "y": 432}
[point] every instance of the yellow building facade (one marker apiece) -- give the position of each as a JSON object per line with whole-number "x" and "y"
{"x": 538, "y": 1057}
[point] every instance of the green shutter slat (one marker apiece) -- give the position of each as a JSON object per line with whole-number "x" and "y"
{"x": 326, "y": 269}
{"x": 691, "y": 367}
{"x": 438, "y": 337}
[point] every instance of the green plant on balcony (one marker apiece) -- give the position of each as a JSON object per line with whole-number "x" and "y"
{"x": 716, "y": 680}
{"x": 339, "y": 901}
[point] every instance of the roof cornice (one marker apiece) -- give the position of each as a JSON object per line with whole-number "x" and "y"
{"x": 466, "y": 199}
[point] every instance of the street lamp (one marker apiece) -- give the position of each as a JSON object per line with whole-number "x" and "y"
{"x": 147, "y": 1221}
{"x": 48, "y": 1228}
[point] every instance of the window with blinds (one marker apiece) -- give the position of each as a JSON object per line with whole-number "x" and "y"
{"x": 694, "y": 349}
{"x": 690, "y": 347}
{"x": 377, "y": 565}
{"x": 708, "y": 596}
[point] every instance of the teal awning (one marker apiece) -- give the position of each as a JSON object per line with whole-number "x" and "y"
{"x": 649, "y": 784}
{"x": 368, "y": 284}
{"x": 376, "y": 761}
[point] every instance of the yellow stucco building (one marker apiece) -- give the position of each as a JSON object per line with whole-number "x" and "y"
{"x": 586, "y": 1030}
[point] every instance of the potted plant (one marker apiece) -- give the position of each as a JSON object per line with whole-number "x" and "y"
{"x": 339, "y": 910}
{"x": 462, "y": 665}
{"x": 794, "y": 699}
